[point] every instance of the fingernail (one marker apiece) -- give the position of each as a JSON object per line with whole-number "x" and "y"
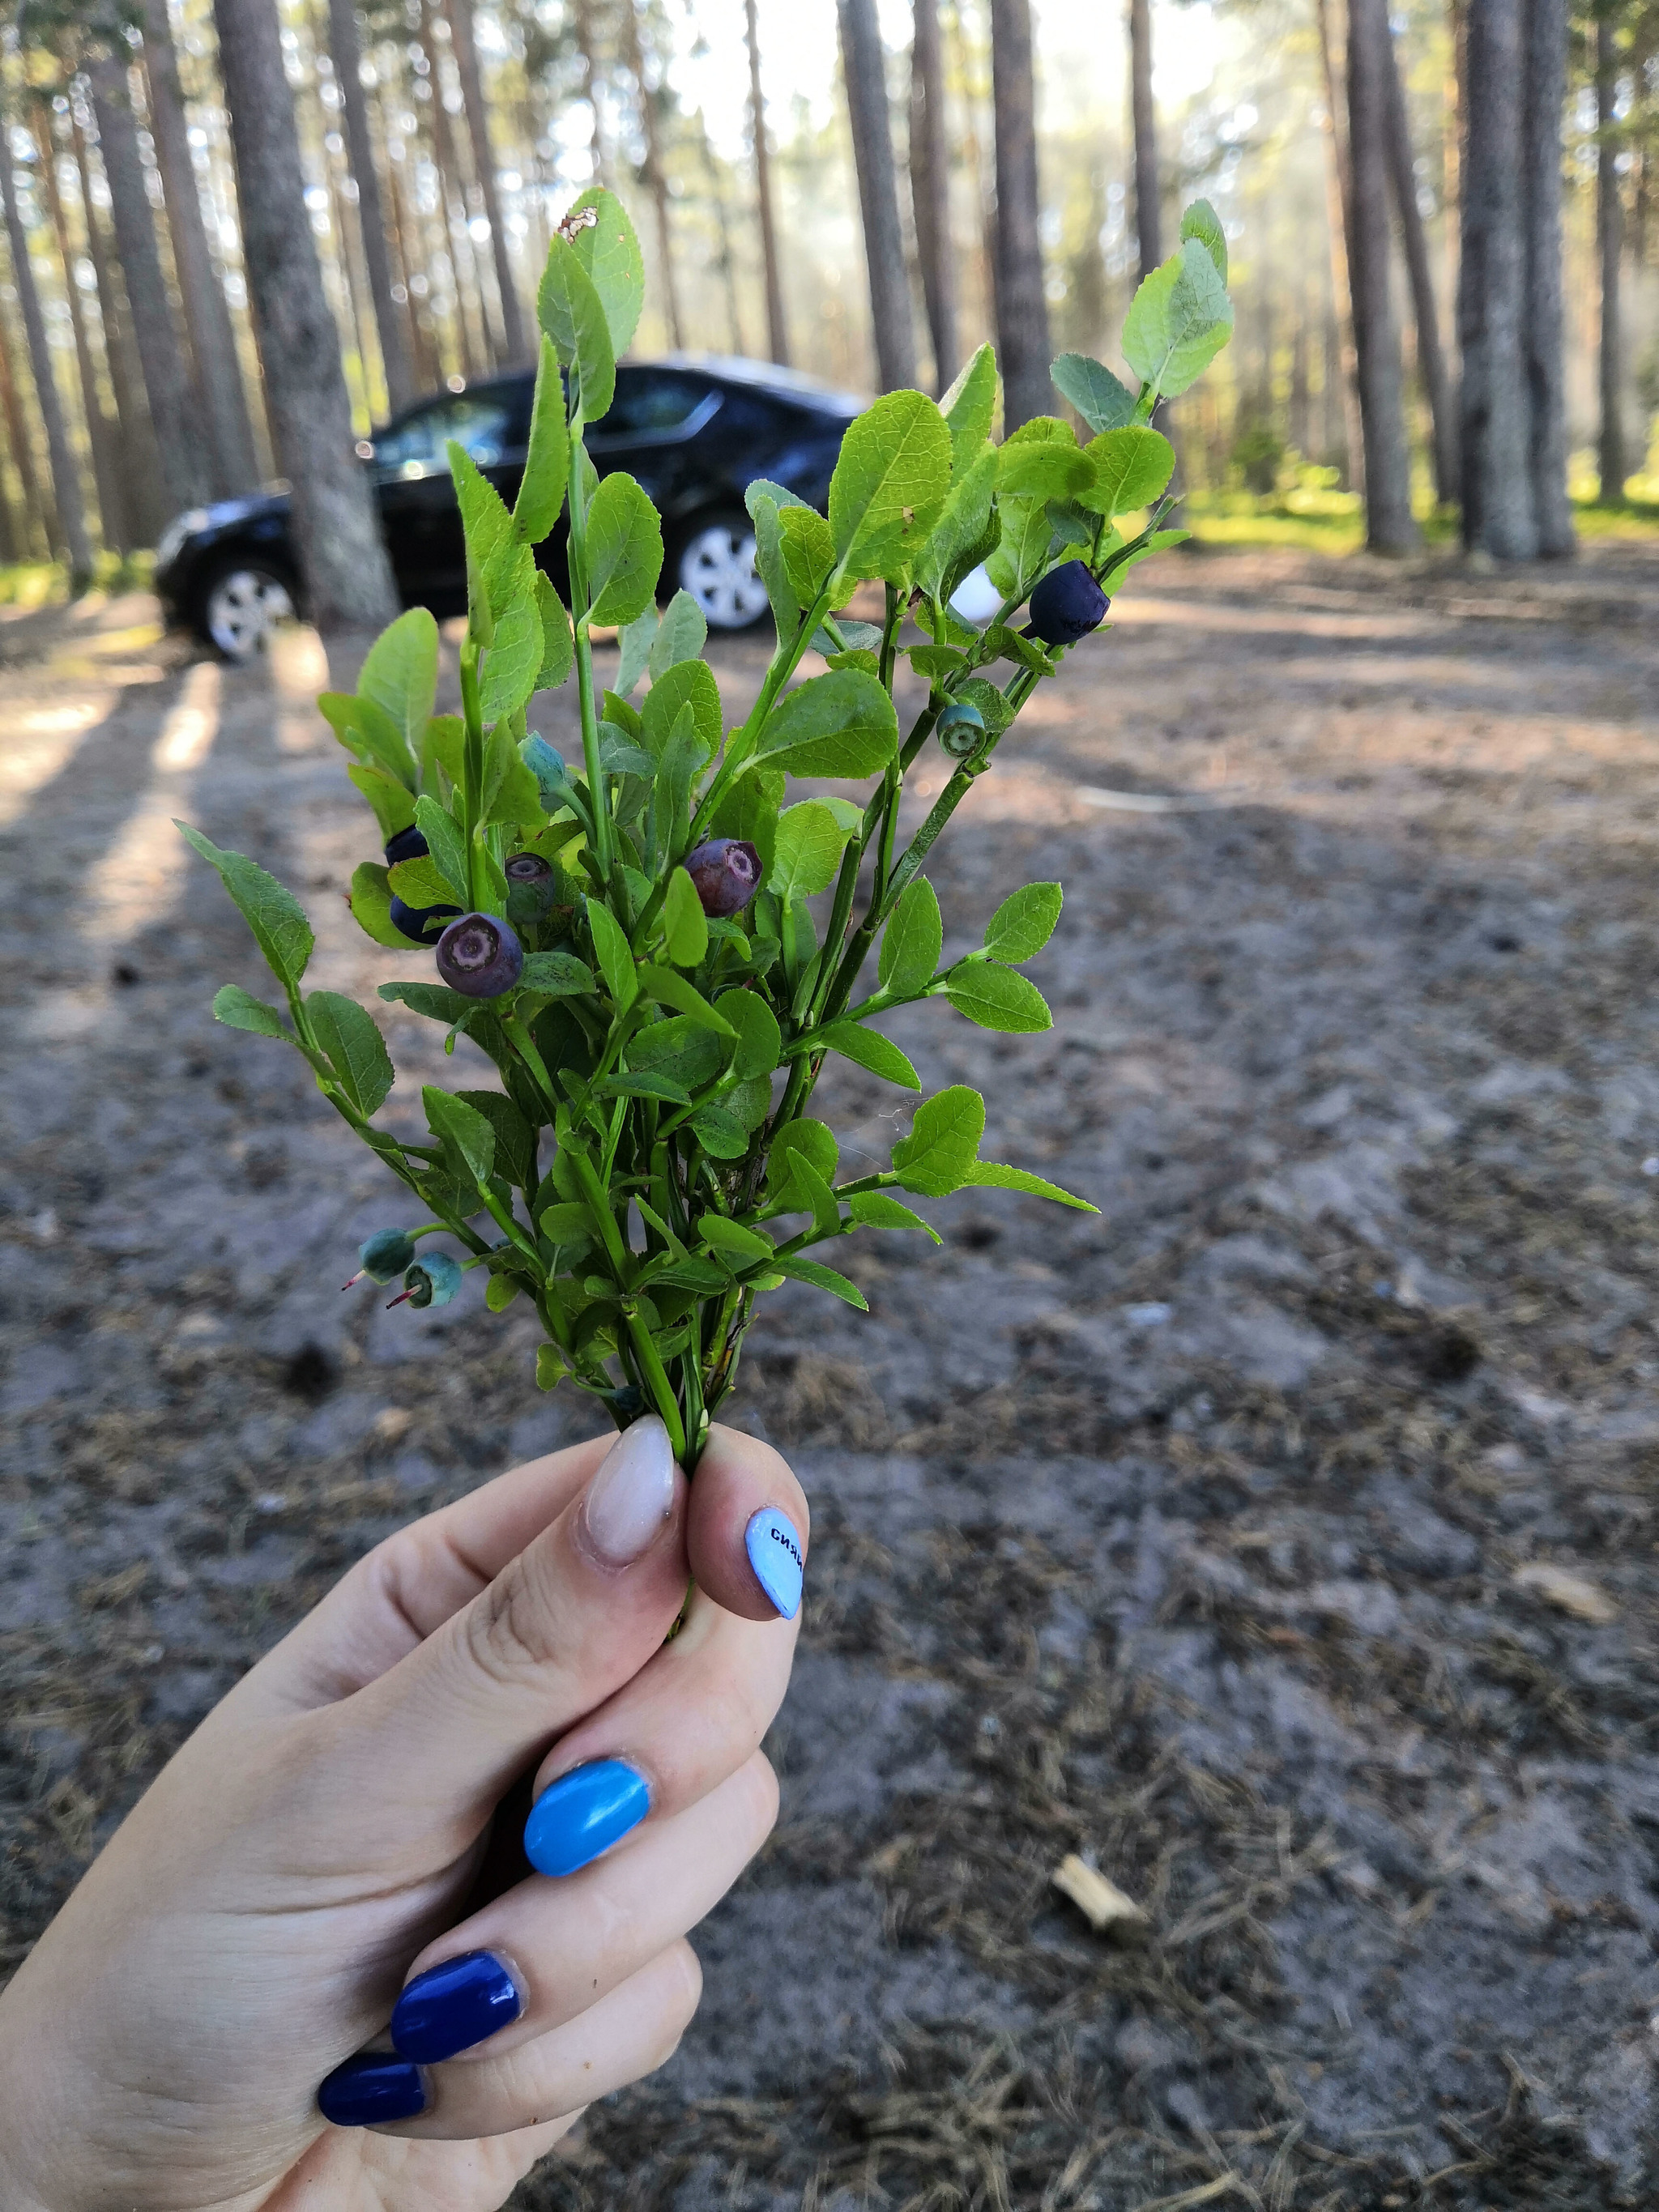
{"x": 774, "y": 1553}
{"x": 452, "y": 2007}
{"x": 632, "y": 1493}
{"x": 583, "y": 1814}
{"x": 371, "y": 2089}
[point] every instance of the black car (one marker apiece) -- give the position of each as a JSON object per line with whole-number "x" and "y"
{"x": 694, "y": 430}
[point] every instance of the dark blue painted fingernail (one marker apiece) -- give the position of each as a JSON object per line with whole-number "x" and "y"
{"x": 583, "y": 1814}
{"x": 452, "y": 2007}
{"x": 371, "y": 2089}
{"x": 774, "y": 1553}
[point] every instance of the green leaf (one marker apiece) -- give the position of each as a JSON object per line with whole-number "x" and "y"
{"x": 750, "y": 809}
{"x": 557, "y": 975}
{"x": 962, "y": 528}
{"x": 912, "y": 941}
{"x": 868, "y": 1048}
{"x": 679, "y": 1048}
{"x": 874, "y": 1209}
{"x": 685, "y": 925}
{"x": 614, "y": 954}
{"x": 240, "y": 1010}
{"x": 635, "y": 640}
{"x": 992, "y": 1175}
{"x": 550, "y": 1367}
{"x": 558, "y": 646}
{"x": 1201, "y": 221}
{"x": 365, "y": 728}
{"x": 354, "y": 1047}
{"x": 1041, "y": 469}
{"x": 1178, "y": 320}
{"x": 807, "y": 1139}
{"x": 671, "y": 804}
{"x": 462, "y": 1128}
{"x": 998, "y": 998}
{"x": 443, "y": 845}
{"x": 723, "y": 1235}
{"x": 889, "y": 484}
{"x": 491, "y": 542}
{"x": 270, "y": 911}
{"x": 1022, "y": 551}
{"x": 808, "y": 850}
{"x": 570, "y": 311}
{"x": 435, "y": 1000}
{"x": 624, "y": 549}
{"x": 443, "y": 752}
{"x": 970, "y": 406}
{"x": 500, "y": 1291}
{"x": 809, "y": 551}
{"x": 1024, "y": 923}
{"x": 816, "y": 1197}
{"x": 760, "y": 1041}
{"x": 418, "y": 883}
{"x": 764, "y": 513}
{"x": 513, "y": 661}
{"x": 839, "y": 725}
{"x": 401, "y": 675}
{"x": 610, "y": 252}
{"x": 1130, "y": 467}
{"x": 999, "y": 643}
{"x": 371, "y": 905}
{"x": 1099, "y": 397}
{"x": 681, "y": 634}
{"x": 686, "y": 683}
{"x": 822, "y": 1279}
{"x": 669, "y": 988}
{"x": 938, "y": 1156}
{"x": 393, "y": 802}
{"x": 515, "y": 1141}
{"x": 547, "y": 461}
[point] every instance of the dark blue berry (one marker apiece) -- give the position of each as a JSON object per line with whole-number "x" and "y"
{"x": 479, "y": 956}
{"x": 405, "y": 845}
{"x": 422, "y": 925}
{"x": 726, "y": 872}
{"x": 1067, "y": 606}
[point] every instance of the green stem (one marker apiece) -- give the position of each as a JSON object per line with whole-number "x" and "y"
{"x": 599, "y": 797}
{"x": 472, "y": 765}
{"x": 654, "y": 1376}
{"x": 785, "y": 661}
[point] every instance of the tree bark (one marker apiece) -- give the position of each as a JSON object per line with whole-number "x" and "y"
{"x": 74, "y": 543}
{"x": 514, "y": 344}
{"x": 181, "y": 450}
{"x": 1390, "y": 526}
{"x": 864, "y": 65}
{"x": 38, "y": 525}
{"x": 473, "y": 334}
{"x": 1545, "y": 53}
{"x": 112, "y": 525}
{"x": 1339, "y": 224}
{"x": 581, "y": 20}
{"x": 1612, "y": 462}
{"x": 207, "y": 313}
{"x": 654, "y": 178}
{"x": 777, "y": 329}
{"x": 930, "y": 190}
{"x": 347, "y": 51}
{"x": 1431, "y": 356}
{"x": 1148, "y": 225}
{"x": 143, "y": 499}
{"x": 1022, "y": 301}
{"x": 344, "y": 572}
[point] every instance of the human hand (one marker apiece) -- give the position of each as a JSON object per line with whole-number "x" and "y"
{"x": 311, "y": 1850}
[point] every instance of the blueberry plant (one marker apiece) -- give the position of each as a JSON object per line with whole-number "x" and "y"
{"x": 629, "y": 940}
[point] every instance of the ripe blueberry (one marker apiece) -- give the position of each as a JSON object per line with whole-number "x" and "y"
{"x": 961, "y": 728}
{"x": 429, "y": 1282}
{"x": 726, "y": 872}
{"x": 479, "y": 956}
{"x": 421, "y": 924}
{"x": 1067, "y": 606}
{"x": 405, "y": 845}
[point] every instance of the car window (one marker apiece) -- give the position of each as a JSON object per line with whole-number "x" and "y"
{"x": 483, "y": 424}
{"x": 652, "y": 403}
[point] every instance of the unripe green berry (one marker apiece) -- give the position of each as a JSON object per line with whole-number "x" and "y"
{"x": 961, "y": 728}
{"x": 386, "y": 1254}
{"x": 432, "y": 1281}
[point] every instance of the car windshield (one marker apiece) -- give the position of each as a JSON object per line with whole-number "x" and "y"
{"x": 479, "y": 422}
{"x": 650, "y": 402}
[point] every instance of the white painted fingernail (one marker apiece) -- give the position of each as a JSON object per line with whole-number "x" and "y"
{"x": 632, "y": 1493}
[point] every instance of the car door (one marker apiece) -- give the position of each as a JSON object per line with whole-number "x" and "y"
{"x": 415, "y": 494}
{"x": 649, "y": 429}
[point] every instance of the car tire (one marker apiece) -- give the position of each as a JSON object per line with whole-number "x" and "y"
{"x": 713, "y": 560}
{"x": 240, "y": 602}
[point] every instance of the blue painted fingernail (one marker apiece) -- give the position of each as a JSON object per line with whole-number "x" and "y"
{"x": 452, "y": 2007}
{"x": 774, "y": 1553}
{"x": 371, "y": 2089}
{"x": 583, "y": 1814}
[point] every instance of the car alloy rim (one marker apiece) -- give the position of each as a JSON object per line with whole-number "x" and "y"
{"x": 718, "y": 568}
{"x": 241, "y": 608}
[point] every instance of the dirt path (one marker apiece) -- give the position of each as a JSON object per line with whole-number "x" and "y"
{"x": 1212, "y": 1539}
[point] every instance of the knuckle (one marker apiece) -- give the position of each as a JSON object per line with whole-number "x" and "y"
{"x": 509, "y": 1630}
{"x": 757, "y": 1783}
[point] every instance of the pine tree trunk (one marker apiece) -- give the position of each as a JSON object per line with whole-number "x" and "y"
{"x": 207, "y": 313}
{"x": 1022, "y": 301}
{"x": 1609, "y": 226}
{"x": 1431, "y": 356}
{"x": 186, "y": 475}
{"x": 515, "y": 344}
{"x": 1546, "y": 52}
{"x": 143, "y": 500}
{"x": 39, "y": 527}
{"x": 344, "y": 572}
{"x": 75, "y": 546}
{"x": 1339, "y": 224}
{"x": 777, "y": 329}
{"x": 930, "y": 189}
{"x": 864, "y": 65}
{"x": 347, "y": 52}
{"x": 1148, "y": 224}
{"x": 654, "y": 176}
{"x": 100, "y": 431}
{"x": 473, "y": 333}
{"x": 1390, "y": 526}
{"x": 581, "y": 23}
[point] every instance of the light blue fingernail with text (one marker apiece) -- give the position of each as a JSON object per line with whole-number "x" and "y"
{"x": 774, "y": 1552}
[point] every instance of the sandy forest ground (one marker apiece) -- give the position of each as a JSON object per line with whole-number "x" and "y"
{"x": 1204, "y": 1538}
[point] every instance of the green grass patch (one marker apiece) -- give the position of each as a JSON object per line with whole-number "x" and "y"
{"x": 46, "y": 583}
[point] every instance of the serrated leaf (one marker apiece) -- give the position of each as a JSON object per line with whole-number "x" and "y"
{"x": 750, "y": 809}
{"x": 571, "y": 312}
{"x": 624, "y": 549}
{"x": 461, "y": 1126}
{"x": 874, "y": 1209}
{"x": 679, "y": 1048}
{"x": 566, "y": 1221}
{"x": 962, "y": 527}
{"x": 371, "y": 905}
{"x": 435, "y": 1000}
{"x": 668, "y": 987}
{"x": 681, "y": 634}
{"x": 269, "y": 909}
{"x": 635, "y": 640}
{"x": 1022, "y": 551}
{"x": 998, "y": 998}
{"x": 558, "y": 645}
{"x": 550, "y": 1366}
{"x": 354, "y": 1047}
{"x": 393, "y": 802}
{"x": 500, "y": 1291}
{"x": 1024, "y": 923}
{"x": 240, "y": 1010}
{"x": 685, "y": 925}
{"x": 443, "y": 752}
{"x": 365, "y": 728}
{"x": 515, "y": 1142}
{"x": 731, "y": 1237}
{"x": 759, "y": 1040}
{"x": 686, "y": 683}
{"x": 807, "y": 1139}
{"x": 1201, "y": 221}
{"x": 610, "y": 252}
{"x": 646, "y": 1084}
{"x": 1103, "y": 401}
{"x": 513, "y": 661}
{"x": 400, "y": 676}
{"x": 487, "y": 527}
{"x": 809, "y": 842}
{"x": 822, "y": 1279}
{"x": 839, "y": 725}
{"x": 1041, "y": 469}
{"x": 970, "y": 406}
{"x": 869, "y": 1048}
{"x": 763, "y": 512}
{"x": 912, "y": 941}
{"x": 443, "y": 845}
{"x": 1178, "y": 320}
{"x": 992, "y": 1175}
{"x": 938, "y": 1156}
{"x": 557, "y": 975}
{"x": 1131, "y": 468}
{"x": 809, "y": 551}
{"x": 547, "y": 460}
{"x": 889, "y": 484}
{"x": 418, "y": 883}
{"x": 614, "y": 954}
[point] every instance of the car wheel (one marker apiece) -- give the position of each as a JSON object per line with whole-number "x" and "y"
{"x": 716, "y": 564}
{"x": 240, "y": 604}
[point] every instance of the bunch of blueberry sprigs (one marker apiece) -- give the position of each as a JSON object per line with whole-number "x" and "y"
{"x": 654, "y": 954}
